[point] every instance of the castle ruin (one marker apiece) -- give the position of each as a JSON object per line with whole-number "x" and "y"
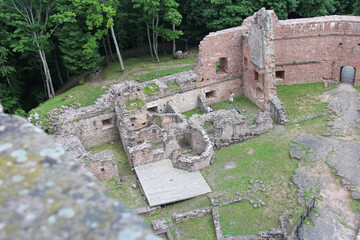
{"x": 249, "y": 60}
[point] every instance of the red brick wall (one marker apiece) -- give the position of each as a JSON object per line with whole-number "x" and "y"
{"x": 307, "y": 50}
{"x": 315, "y": 49}
{"x": 221, "y": 44}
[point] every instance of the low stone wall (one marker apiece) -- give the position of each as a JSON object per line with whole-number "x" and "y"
{"x": 146, "y": 211}
{"x": 277, "y": 110}
{"x": 272, "y": 234}
{"x": 160, "y": 226}
{"x": 217, "y": 224}
{"x": 230, "y": 126}
{"x": 195, "y": 213}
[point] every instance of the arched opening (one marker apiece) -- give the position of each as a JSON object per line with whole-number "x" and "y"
{"x": 347, "y": 74}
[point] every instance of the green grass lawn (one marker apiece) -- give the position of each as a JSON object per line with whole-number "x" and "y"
{"x": 191, "y": 112}
{"x": 245, "y": 105}
{"x": 145, "y": 65}
{"x": 120, "y": 156}
{"x": 302, "y": 99}
{"x": 84, "y": 94}
{"x": 185, "y": 230}
{"x": 204, "y": 229}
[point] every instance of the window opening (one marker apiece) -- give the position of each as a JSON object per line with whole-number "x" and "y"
{"x": 256, "y": 75}
{"x": 107, "y": 123}
{"x": 222, "y": 65}
{"x": 280, "y": 74}
{"x": 210, "y": 94}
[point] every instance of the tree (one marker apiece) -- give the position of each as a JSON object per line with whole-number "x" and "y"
{"x": 154, "y": 12}
{"x": 357, "y": 7}
{"x": 282, "y": 8}
{"x": 173, "y": 17}
{"x": 223, "y": 14}
{"x": 80, "y": 42}
{"x": 194, "y": 24}
{"x": 4, "y": 69}
{"x": 35, "y": 21}
{"x": 314, "y": 8}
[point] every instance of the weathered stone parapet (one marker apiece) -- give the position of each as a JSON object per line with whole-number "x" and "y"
{"x": 192, "y": 214}
{"x": 71, "y": 144}
{"x": 45, "y": 194}
{"x": 277, "y": 110}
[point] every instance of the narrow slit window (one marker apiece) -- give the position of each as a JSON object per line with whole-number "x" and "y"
{"x": 256, "y": 76}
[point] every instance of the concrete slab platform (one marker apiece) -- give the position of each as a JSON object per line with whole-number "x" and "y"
{"x": 163, "y": 184}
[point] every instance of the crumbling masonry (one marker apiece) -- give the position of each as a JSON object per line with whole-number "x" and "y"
{"x": 248, "y": 60}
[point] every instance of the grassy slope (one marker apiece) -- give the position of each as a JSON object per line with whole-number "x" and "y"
{"x": 86, "y": 94}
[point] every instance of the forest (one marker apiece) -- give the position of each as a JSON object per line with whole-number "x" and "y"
{"x": 44, "y": 43}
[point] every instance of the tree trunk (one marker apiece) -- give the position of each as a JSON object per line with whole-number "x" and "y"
{"x": 109, "y": 45}
{"x": 163, "y": 46}
{"x": 174, "y": 42}
{"x": 149, "y": 39}
{"x": 49, "y": 85}
{"x": 43, "y": 79}
{"x": 117, "y": 48}
{"x": 155, "y": 37}
{"x": 6, "y": 76}
{"x": 58, "y": 69}
{"x": 106, "y": 52}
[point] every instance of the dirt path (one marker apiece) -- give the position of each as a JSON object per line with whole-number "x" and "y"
{"x": 322, "y": 158}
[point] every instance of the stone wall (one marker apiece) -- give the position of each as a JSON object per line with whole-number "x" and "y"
{"x": 258, "y": 59}
{"x": 230, "y": 127}
{"x": 103, "y": 165}
{"x": 277, "y": 111}
{"x": 223, "y": 47}
{"x": 192, "y": 214}
{"x": 140, "y": 154}
{"x": 202, "y": 150}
